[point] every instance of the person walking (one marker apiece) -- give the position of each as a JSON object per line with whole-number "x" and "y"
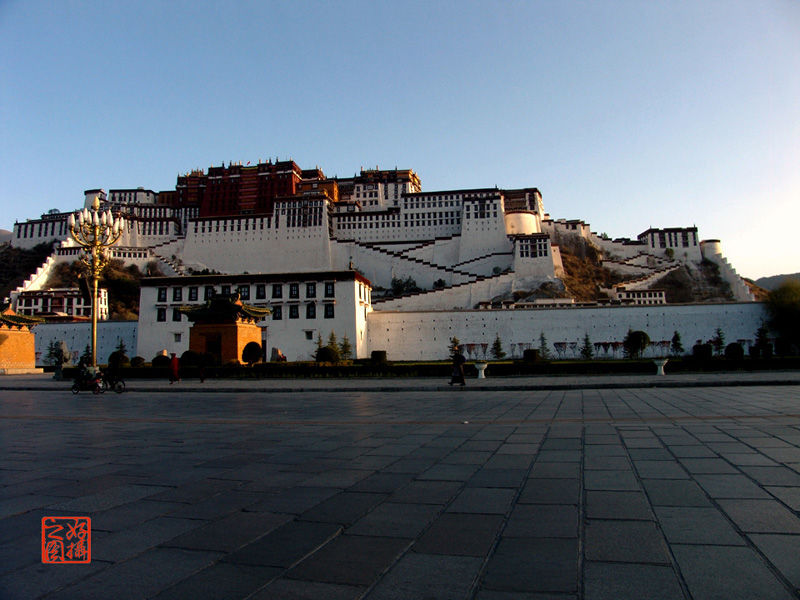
{"x": 174, "y": 369}
{"x": 457, "y": 376}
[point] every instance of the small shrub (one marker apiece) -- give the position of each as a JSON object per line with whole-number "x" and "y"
{"x": 327, "y": 354}
{"x": 138, "y": 362}
{"x": 734, "y": 351}
{"x": 635, "y": 343}
{"x": 530, "y": 354}
{"x": 252, "y": 353}
{"x": 190, "y": 358}
{"x": 118, "y": 359}
{"x": 160, "y": 361}
{"x": 378, "y": 357}
{"x": 703, "y": 351}
{"x": 209, "y": 360}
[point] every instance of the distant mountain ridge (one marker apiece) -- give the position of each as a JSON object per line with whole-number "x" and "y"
{"x": 770, "y": 283}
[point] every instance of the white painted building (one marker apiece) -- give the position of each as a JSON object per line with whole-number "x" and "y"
{"x": 303, "y": 305}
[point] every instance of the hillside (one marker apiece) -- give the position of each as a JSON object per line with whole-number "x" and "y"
{"x": 17, "y": 264}
{"x": 770, "y": 283}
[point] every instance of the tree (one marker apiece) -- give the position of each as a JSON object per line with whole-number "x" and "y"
{"x": 87, "y": 355}
{"x": 121, "y": 347}
{"x": 675, "y": 345}
{"x": 587, "y": 352}
{"x": 53, "y": 353}
{"x": 332, "y": 341}
{"x": 635, "y": 343}
{"x": 345, "y": 348}
{"x": 718, "y": 341}
{"x": 497, "y": 348}
{"x": 327, "y": 354}
{"x": 544, "y": 350}
{"x": 320, "y": 343}
{"x": 454, "y": 343}
{"x": 783, "y": 308}
{"x": 252, "y": 353}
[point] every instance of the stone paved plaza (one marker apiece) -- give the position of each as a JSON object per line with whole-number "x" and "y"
{"x": 630, "y": 493}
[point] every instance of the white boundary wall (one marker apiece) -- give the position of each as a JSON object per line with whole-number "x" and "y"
{"x": 78, "y": 335}
{"x": 423, "y": 335}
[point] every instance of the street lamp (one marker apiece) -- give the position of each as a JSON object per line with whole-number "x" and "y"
{"x": 95, "y": 232}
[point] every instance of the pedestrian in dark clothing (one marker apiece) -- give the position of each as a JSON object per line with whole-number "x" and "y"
{"x": 457, "y": 376}
{"x": 174, "y": 369}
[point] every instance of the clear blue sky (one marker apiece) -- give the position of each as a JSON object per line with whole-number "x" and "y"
{"x": 626, "y": 114}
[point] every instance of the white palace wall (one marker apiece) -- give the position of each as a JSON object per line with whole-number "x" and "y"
{"x": 78, "y": 336}
{"x": 423, "y": 335}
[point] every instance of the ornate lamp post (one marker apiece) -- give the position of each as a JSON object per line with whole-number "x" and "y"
{"x": 95, "y": 232}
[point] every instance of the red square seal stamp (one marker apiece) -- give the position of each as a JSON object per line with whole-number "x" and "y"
{"x": 66, "y": 540}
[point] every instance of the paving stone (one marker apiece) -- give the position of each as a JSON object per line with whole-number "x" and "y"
{"x": 503, "y": 478}
{"x": 285, "y": 545}
{"x": 196, "y": 491}
{"x": 108, "y": 498}
{"x": 789, "y": 496}
{"x": 689, "y": 451}
{"x": 427, "y": 492}
{"x": 761, "y": 516}
{"x": 221, "y": 581}
{"x": 441, "y": 472}
{"x": 229, "y": 533}
{"x": 551, "y": 491}
{"x": 460, "y": 535}
{"x": 696, "y": 525}
{"x": 717, "y": 572}
{"x": 428, "y": 576}
{"x": 610, "y": 581}
{"x": 509, "y": 461}
{"x": 730, "y": 486}
{"x": 38, "y": 579}
{"x": 289, "y": 589}
{"x": 120, "y": 545}
{"x": 295, "y": 501}
{"x": 782, "y": 551}
{"x": 482, "y": 500}
{"x": 659, "y": 469}
{"x": 533, "y": 565}
{"x": 395, "y": 520}
{"x": 543, "y": 520}
{"x": 139, "y": 577}
{"x": 610, "y": 449}
{"x": 773, "y": 475}
{"x": 345, "y": 508}
{"x": 611, "y": 481}
{"x": 555, "y": 471}
{"x": 131, "y": 514}
{"x": 649, "y": 454}
{"x": 558, "y": 456}
{"x": 625, "y": 541}
{"x": 617, "y": 505}
{"x": 607, "y": 463}
{"x": 384, "y": 483}
{"x": 708, "y": 465}
{"x": 350, "y": 559}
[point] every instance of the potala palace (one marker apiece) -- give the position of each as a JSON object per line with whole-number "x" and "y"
{"x": 321, "y": 252}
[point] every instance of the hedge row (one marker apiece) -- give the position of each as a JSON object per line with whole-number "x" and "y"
{"x": 367, "y": 368}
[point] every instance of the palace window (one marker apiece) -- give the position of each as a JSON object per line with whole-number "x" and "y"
{"x": 209, "y": 292}
{"x": 192, "y": 294}
{"x": 311, "y": 311}
{"x": 162, "y": 295}
{"x": 311, "y": 290}
{"x": 177, "y": 294}
{"x": 277, "y": 313}
{"x": 277, "y": 290}
{"x": 294, "y": 290}
{"x": 261, "y": 291}
{"x": 329, "y": 311}
{"x": 244, "y": 292}
{"x": 161, "y": 314}
{"x": 176, "y": 314}
{"x": 294, "y": 311}
{"x": 226, "y": 289}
